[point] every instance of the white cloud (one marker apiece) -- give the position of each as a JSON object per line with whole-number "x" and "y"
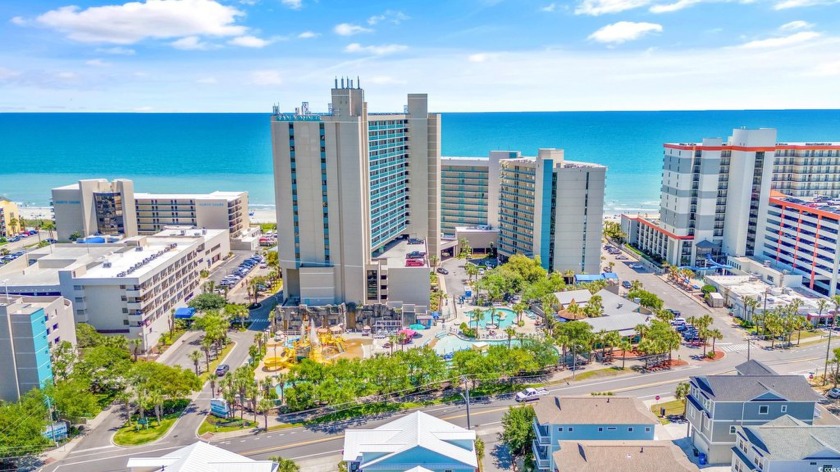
{"x": 481, "y": 57}
{"x": 96, "y": 63}
{"x": 136, "y": 21}
{"x": 266, "y": 77}
{"x": 207, "y": 81}
{"x": 785, "y": 4}
{"x": 392, "y": 16}
{"x": 781, "y": 42}
{"x": 375, "y": 50}
{"x": 18, "y": 20}
{"x": 347, "y": 29}
{"x": 672, "y": 7}
{"x": 293, "y": 4}
{"x": 190, "y": 43}
{"x": 8, "y": 73}
{"x": 624, "y": 31}
{"x": 549, "y": 8}
{"x": 796, "y": 25}
{"x": 67, "y": 75}
{"x": 600, "y": 7}
{"x": 249, "y": 42}
{"x": 116, "y": 51}
{"x": 308, "y": 35}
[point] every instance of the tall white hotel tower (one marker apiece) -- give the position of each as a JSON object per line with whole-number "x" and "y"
{"x": 350, "y": 188}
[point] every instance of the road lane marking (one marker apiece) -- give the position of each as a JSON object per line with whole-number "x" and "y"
{"x": 92, "y": 449}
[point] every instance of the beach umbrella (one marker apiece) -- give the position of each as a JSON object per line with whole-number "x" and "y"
{"x": 417, "y": 327}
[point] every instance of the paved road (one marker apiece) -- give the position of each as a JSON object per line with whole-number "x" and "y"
{"x": 314, "y": 443}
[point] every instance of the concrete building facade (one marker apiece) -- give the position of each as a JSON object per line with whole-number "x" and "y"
{"x": 129, "y": 287}
{"x": 464, "y": 193}
{"x": 9, "y": 218}
{"x": 216, "y": 210}
{"x": 349, "y": 184}
{"x": 29, "y": 328}
{"x": 95, "y": 206}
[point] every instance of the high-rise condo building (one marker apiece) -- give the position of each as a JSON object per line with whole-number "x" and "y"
{"x": 217, "y": 210}
{"x": 541, "y": 206}
{"x": 713, "y": 201}
{"x": 353, "y": 189}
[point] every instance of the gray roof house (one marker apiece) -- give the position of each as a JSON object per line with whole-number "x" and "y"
{"x": 623, "y": 456}
{"x": 754, "y": 367}
{"x": 786, "y": 445}
{"x": 718, "y": 404}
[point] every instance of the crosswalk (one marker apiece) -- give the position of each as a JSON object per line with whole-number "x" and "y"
{"x": 734, "y": 347}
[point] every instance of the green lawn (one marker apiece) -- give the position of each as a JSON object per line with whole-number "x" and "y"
{"x": 213, "y": 424}
{"x": 129, "y": 435}
{"x": 673, "y": 407}
{"x": 608, "y": 372}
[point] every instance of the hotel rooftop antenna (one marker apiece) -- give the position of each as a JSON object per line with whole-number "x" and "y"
{"x": 358, "y": 82}
{"x": 342, "y": 82}
{"x": 336, "y": 82}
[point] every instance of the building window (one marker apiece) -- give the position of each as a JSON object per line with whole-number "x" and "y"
{"x": 571, "y": 429}
{"x": 600, "y": 430}
{"x": 763, "y": 409}
{"x": 560, "y": 429}
{"x": 732, "y": 429}
{"x": 647, "y": 429}
{"x": 784, "y": 408}
{"x": 630, "y": 429}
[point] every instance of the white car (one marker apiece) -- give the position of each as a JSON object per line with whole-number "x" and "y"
{"x": 531, "y": 394}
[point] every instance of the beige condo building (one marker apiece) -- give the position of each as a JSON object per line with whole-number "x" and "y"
{"x": 9, "y": 218}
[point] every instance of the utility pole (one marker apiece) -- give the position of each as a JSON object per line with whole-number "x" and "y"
{"x": 466, "y": 381}
{"x": 748, "y": 346}
{"x": 828, "y": 347}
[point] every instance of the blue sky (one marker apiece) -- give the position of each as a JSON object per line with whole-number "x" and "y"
{"x": 469, "y": 55}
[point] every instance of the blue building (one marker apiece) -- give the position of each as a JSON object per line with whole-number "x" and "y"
{"x": 587, "y": 419}
{"x": 29, "y": 328}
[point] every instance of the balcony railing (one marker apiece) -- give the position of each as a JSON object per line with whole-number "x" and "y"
{"x": 541, "y": 458}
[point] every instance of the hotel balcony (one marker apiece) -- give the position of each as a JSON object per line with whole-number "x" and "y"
{"x": 541, "y": 456}
{"x": 542, "y": 434}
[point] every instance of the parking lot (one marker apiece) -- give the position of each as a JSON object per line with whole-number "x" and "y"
{"x": 228, "y": 269}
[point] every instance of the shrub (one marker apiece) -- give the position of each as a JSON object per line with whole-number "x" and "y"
{"x": 707, "y": 289}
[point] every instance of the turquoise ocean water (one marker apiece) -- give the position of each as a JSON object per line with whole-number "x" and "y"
{"x": 206, "y": 152}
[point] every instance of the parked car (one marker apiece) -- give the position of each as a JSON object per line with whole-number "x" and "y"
{"x": 222, "y": 370}
{"x": 441, "y": 270}
{"x": 530, "y": 394}
{"x": 415, "y": 254}
{"x": 413, "y": 263}
{"x": 833, "y": 393}
{"x": 676, "y": 314}
{"x": 626, "y": 284}
{"x": 415, "y": 241}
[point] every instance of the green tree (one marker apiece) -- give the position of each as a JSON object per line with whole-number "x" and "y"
{"x": 265, "y": 406}
{"x": 63, "y": 359}
{"x": 72, "y": 399}
{"x": 136, "y": 346}
{"x": 195, "y": 356}
{"x": 646, "y": 299}
{"x": 207, "y": 302}
{"x": 510, "y": 331}
{"x": 681, "y": 393}
{"x": 464, "y": 249}
{"x": 22, "y": 424}
{"x": 518, "y": 430}
{"x": 625, "y": 347}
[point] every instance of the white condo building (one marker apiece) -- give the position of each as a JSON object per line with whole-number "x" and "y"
{"x": 350, "y": 186}
{"x": 129, "y": 287}
{"x": 97, "y": 206}
{"x": 540, "y": 206}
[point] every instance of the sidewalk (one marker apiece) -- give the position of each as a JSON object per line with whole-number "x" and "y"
{"x": 61, "y": 452}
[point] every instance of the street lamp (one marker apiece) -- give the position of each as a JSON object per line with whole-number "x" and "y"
{"x": 466, "y": 398}
{"x": 828, "y": 347}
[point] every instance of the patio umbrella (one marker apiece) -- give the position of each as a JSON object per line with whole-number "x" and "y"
{"x": 417, "y": 327}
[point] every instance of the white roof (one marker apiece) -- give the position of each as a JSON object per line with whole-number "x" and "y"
{"x": 580, "y": 297}
{"x": 411, "y": 431}
{"x": 202, "y": 457}
{"x": 217, "y": 195}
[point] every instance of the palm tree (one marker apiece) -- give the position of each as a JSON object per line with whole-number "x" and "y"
{"x": 472, "y": 271}
{"x": 195, "y": 356}
{"x": 285, "y": 465}
{"x": 750, "y": 304}
{"x": 681, "y": 393}
{"x": 281, "y": 382}
{"x": 642, "y": 330}
{"x": 715, "y": 335}
{"x": 206, "y": 344}
{"x": 434, "y": 260}
{"x": 511, "y": 332}
{"x": 625, "y": 347}
{"x": 636, "y": 285}
{"x": 476, "y": 315}
{"x": 519, "y": 308}
{"x": 135, "y": 346}
{"x": 264, "y": 406}
{"x": 156, "y": 401}
{"x": 392, "y": 339}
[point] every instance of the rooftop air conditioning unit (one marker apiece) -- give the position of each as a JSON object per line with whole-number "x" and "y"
{"x": 106, "y": 264}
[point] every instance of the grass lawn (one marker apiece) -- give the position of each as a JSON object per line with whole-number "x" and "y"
{"x": 806, "y": 336}
{"x": 128, "y": 435}
{"x": 673, "y": 407}
{"x": 205, "y": 376}
{"x": 213, "y": 424}
{"x": 608, "y": 372}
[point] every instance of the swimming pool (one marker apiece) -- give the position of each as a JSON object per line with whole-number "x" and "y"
{"x": 453, "y": 343}
{"x": 504, "y": 317}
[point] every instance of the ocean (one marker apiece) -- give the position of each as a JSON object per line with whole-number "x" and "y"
{"x": 207, "y": 152}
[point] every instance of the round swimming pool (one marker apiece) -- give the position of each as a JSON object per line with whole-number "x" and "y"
{"x": 503, "y": 317}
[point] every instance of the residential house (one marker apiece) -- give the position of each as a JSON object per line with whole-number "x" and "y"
{"x": 199, "y": 456}
{"x": 587, "y": 418}
{"x": 786, "y": 445}
{"x": 718, "y": 404}
{"x": 624, "y": 456}
{"x": 754, "y": 367}
{"x": 415, "y": 442}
